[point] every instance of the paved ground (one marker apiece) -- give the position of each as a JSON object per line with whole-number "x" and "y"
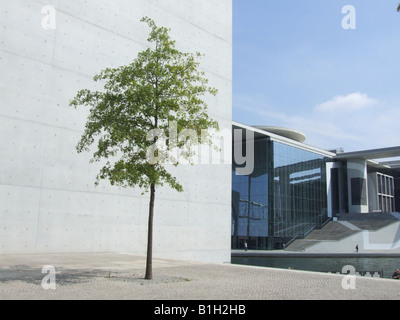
{"x": 120, "y": 276}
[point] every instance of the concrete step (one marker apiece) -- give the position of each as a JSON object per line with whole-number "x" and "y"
{"x": 369, "y": 221}
{"x": 346, "y": 226}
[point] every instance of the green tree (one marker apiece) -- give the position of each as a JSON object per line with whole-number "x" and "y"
{"x": 130, "y": 119}
{"x": 398, "y": 8}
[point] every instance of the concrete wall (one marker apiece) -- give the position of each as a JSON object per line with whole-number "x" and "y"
{"x": 329, "y": 167}
{"x": 48, "y": 201}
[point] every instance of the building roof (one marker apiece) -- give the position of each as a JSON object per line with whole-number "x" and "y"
{"x": 284, "y": 132}
{"x": 296, "y": 138}
{"x": 391, "y": 164}
{"x": 287, "y": 139}
{"x": 372, "y": 154}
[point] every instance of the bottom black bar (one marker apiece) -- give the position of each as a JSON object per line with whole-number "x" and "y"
{"x": 215, "y": 309}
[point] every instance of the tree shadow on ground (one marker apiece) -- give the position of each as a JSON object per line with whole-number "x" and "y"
{"x": 34, "y": 275}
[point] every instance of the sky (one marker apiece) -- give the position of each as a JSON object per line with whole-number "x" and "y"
{"x": 329, "y": 71}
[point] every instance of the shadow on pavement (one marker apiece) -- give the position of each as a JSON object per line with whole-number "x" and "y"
{"x": 34, "y": 275}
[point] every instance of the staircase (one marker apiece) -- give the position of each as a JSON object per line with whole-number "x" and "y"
{"x": 347, "y": 226}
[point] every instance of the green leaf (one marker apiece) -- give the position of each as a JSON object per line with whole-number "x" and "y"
{"x": 160, "y": 86}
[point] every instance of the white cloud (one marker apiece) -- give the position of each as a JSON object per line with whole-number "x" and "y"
{"x": 354, "y": 121}
{"x": 351, "y": 102}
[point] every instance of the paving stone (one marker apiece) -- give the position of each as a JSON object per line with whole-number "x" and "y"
{"x": 120, "y": 276}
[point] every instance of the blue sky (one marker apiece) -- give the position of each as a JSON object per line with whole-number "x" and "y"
{"x": 295, "y": 66}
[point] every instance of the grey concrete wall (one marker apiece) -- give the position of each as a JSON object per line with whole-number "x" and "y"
{"x": 48, "y": 201}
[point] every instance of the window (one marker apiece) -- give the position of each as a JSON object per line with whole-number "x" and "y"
{"x": 358, "y": 192}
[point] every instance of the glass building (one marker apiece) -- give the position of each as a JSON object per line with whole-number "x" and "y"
{"x": 294, "y": 188}
{"x": 285, "y": 196}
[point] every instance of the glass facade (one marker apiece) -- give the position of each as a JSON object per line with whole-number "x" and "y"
{"x": 299, "y": 193}
{"x": 250, "y": 199}
{"x": 387, "y": 184}
{"x": 385, "y": 193}
{"x": 285, "y": 197}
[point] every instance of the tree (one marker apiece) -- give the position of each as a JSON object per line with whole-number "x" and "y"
{"x": 130, "y": 118}
{"x": 398, "y": 8}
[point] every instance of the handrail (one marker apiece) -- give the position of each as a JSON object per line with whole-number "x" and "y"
{"x": 324, "y": 223}
{"x": 290, "y": 241}
{"x": 371, "y": 274}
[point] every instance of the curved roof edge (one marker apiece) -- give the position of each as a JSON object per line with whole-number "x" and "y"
{"x": 371, "y": 154}
{"x": 284, "y": 132}
{"x": 284, "y": 140}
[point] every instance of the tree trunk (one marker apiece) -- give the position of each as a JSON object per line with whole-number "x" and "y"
{"x": 149, "y": 259}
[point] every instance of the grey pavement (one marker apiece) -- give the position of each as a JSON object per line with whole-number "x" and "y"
{"x": 110, "y": 276}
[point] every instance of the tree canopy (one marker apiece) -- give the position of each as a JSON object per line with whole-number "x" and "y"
{"x": 161, "y": 86}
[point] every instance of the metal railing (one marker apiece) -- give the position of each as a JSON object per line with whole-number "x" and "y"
{"x": 371, "y": 274}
